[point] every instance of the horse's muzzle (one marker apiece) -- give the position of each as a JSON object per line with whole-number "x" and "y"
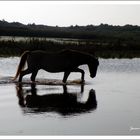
{"x": 92, "y": 76}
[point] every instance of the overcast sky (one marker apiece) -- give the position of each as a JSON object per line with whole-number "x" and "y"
{"x": 65, "y": 14}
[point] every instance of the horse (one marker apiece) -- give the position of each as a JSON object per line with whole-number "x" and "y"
{"x": 66, "y": 61}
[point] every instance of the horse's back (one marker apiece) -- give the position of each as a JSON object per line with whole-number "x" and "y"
{"x": 57, "y": 61}
{"x": 52, "y": 62}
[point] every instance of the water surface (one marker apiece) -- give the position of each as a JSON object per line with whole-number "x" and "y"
{"x": 106, "y": 105}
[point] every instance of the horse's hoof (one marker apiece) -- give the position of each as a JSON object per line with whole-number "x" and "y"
{"x": 64, "y": 83}
{"x": 83, "y": 82}
{"x": 33, "y": 82}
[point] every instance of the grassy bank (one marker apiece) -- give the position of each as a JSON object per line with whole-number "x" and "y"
{"x": 101, "y": 48}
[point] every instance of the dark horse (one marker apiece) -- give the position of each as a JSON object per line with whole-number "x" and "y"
{"x": 66, "y": 61}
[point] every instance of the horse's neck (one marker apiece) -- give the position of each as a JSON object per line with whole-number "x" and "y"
{"x": 84, "y": 58}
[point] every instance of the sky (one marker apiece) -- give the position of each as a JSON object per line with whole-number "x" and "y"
{"x": 69, "y": 13}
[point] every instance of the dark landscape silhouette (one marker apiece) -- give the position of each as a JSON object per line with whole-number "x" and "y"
{"x": 102, "y": 40}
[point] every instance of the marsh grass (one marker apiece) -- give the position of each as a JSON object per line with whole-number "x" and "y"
{"x": 100, "y": 48}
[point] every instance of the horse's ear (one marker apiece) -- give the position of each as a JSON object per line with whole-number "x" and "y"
{"x": 95, "y": 55}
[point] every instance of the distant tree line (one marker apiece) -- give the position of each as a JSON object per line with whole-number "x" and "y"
{"x": 102, "y": 31}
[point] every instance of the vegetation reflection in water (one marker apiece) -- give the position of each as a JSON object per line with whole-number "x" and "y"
{"x": 64, "y": 103}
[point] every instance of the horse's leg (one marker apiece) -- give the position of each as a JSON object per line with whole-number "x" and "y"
{"x": 66, "y": 74}
{"x": 82, "y": 88}
{"x": 81, "y": 71}
{"x": 22, "y": 73}
{"x": 64, "y": 89}
{"x": 33, "y": 89}
{"x": 33, "y": 76}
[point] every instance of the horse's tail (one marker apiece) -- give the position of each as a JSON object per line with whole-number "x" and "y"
{"x": 22, "y": 63}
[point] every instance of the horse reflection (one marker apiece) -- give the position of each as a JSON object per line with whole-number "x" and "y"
{"x": 63, "y": 103}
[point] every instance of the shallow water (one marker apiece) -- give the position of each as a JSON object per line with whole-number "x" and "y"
{"x": 59, "y": 40}
{"x": 106, "y": 105}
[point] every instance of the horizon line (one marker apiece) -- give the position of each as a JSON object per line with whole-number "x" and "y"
{"x": 33, "y": 23}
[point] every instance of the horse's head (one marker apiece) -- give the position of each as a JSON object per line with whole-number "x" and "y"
{"x": 93, "y": 65}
